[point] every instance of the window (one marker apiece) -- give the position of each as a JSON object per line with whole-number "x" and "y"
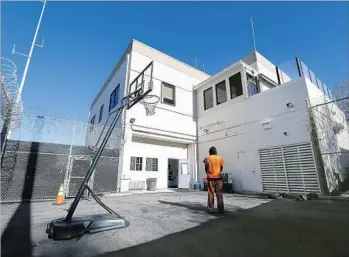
{"x": 136, "y": 163}
{"x": 114, "y": 98}
{"x": 221, "y": 92}
{"x": 151, "y": 164}
{"x": 208, "y": 98}
{"x": 92, "y": 122}
{"x": 168, "y": 94}
{"x": 235, "y": 85}
{"x": 101, "y": 113}
{"x": 252, "y": 83}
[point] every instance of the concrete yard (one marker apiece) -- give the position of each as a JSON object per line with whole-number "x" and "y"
{"x": 176, "y": 224}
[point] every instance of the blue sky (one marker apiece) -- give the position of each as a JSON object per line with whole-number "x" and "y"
{"x": 84, "y": 40}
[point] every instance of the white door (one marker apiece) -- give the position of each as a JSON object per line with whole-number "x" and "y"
{"x": 183, "y": 174}
{"x": 248, "y": 174}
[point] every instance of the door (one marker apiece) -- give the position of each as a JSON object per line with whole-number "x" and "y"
{"x": 183, "y": 174}
{"x": 247, "y": 171}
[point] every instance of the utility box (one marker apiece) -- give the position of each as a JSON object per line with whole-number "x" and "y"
{"x": 151, "y": 184}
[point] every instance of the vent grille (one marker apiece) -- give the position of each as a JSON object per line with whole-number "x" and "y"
{"x": 289, "y": 169}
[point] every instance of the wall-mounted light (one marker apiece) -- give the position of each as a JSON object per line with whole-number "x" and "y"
{"x": 285, "y": 133}
{"x": 289, "y": 105}
{"x": 266, "y": 124}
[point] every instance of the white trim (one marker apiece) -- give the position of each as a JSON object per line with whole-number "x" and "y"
{"x": 162, "y": 137}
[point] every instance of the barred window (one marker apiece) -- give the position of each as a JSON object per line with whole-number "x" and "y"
{"x": 136, "y": 163}
{"x": 151, "y": 164}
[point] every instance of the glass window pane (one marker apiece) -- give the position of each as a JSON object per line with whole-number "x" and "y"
{"x": 208, "y": 98}
{"x": 168, "y": 93}
{"x": 235, "y": 85}
{"x": 116, "y": 97}
{"x": 221, "y": 92}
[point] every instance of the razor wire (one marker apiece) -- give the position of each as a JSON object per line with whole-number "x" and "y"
{"x": 10, "y": 109}
{"x": 96, "y": 132}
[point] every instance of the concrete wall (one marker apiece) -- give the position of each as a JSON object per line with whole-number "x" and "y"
{"x": 236, "y": 129}
{"x": 142, "y": 147}
{"x": 263, "y": 65}
{"x": 167, "y": 133}
{"x": 334, "y": 147}
{"x": 119, "y": 77}
{"x": 178, "y": 118}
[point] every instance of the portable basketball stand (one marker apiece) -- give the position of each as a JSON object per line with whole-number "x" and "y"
{"x": 68, "y": 228}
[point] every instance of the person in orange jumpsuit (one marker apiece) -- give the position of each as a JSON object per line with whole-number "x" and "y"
{"x": 214, "y": 167}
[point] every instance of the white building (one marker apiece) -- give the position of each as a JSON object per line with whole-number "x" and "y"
{"x": 263, "y": 130}
{"x": 152, "y": 144}
{"x": 254, "y": 113}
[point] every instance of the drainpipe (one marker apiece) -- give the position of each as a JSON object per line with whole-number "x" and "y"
{"x": 196, "y": 161}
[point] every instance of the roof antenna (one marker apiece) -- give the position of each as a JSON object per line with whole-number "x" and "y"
{"x": 196, "y": 62}
{"x": 203, "y": 66}
{"x": 254, "y": 44}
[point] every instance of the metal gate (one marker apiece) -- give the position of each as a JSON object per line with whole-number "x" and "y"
{"x": 76, "y": 173}
{"x": 104, "y": 178}
{"x": 289, "y": 169}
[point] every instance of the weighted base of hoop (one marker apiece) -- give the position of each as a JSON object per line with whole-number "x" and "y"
{"x": 150, "y": 102}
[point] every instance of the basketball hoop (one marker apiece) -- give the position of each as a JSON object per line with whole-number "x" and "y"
{"x": 150, "y": 102}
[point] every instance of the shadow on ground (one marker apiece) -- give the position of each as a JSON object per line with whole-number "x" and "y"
{"x": 279, "y": 228}
{"x": 200, "y": 208}
{"x": 19, "y": 227}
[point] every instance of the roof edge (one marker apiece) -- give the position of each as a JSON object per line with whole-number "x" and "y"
{"x": 110, "y": 77}
{"x": 232, "y": 66}
{"x": 173, "y": 58}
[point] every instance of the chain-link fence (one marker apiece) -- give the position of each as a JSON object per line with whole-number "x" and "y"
{"x": 44, "y": 152}
{"x": 330, "y": 133}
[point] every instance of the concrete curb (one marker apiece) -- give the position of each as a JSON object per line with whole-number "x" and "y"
{"x": 299, "y": 197}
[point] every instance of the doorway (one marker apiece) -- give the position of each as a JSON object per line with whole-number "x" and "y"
{"x": 172, "y": 171}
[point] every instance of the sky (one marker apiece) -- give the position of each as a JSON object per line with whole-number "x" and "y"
{"x": 84, "y": 41}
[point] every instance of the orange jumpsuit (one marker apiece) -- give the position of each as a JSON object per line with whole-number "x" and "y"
{"x": 214, "y": 180}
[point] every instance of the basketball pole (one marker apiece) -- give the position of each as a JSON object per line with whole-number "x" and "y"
{"x": 29, "y": 57}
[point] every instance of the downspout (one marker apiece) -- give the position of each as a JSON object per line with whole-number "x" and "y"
{"x": 196, "y": 151}
{"x": 121, "y": 151}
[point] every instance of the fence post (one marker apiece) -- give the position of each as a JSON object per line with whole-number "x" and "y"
{"x": 299, "y": 67}
{"x": 67, "y": 174}
{"x": 278, "y": 74}
{"x": 320, "y": 168}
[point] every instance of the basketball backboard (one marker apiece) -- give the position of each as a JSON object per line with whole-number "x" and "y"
{"x": 140, "y": 86}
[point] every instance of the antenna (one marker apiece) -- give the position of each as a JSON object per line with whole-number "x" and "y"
{"x": 254, "y": 44}
{"x": 203, "y": 66}
{"x": 254, "y": 40}
{"x": 196, "y": 62}
{"x": 29, "y": 57}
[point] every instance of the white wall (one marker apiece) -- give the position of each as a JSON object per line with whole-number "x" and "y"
{"x": 141, "y": 147}
{"x": 263, "y": 65}
{"x": 240, "y": 133}
{"x": 174, "y": 121}
{"x": 177, "y": 118}
{"x": 326, "y": 116}
{"x": 118, "y": 78}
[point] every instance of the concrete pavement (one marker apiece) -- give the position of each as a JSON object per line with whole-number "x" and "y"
{"x": 152, "y": 217}
{"x": 176, "y": 224}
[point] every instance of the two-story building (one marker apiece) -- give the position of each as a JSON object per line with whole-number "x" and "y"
{"x": 258, "y": 117}
{"x": 255, "y": 113}
{"x": 152, "y": 146}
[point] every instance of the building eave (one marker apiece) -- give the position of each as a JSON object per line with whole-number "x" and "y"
{"x": 110, "y": 77}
